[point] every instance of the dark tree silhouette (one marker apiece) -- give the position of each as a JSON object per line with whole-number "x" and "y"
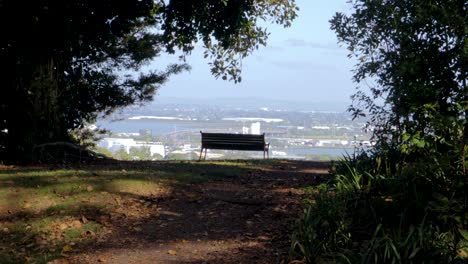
{"x": 64, "y": 62}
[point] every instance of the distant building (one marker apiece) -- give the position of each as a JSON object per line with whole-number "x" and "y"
{"x": 255, "y": 128}
{"x": 321, "y": 127}
{"x": 128, "y": 135}
{"x": 156, "y": 148}
{"x": 189, "y": 148}
{"x": 115, "y": 144}
{"x": 332, "y": 143}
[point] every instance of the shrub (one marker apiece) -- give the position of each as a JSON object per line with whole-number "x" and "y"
{"x": 323, "y": 230}
{"x": 376, "y": 211}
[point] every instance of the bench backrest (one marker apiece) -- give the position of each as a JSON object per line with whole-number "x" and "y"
{"x": 233, "y": 141}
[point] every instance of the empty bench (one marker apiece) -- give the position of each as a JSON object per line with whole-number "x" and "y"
{"x": 228, "y": 141}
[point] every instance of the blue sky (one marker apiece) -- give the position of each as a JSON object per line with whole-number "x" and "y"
{"x": 300, "y": 63}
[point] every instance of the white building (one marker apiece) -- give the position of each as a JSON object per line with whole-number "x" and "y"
{"x": 255, "y": 128}
{"x": 115, "y": 144}
{"x": 155, "y": 148}
{"x": 321, "y": 127}
{"x": 331, "y": 142}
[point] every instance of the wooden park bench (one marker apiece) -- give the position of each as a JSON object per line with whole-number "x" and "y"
{"x": 233, "y": 142}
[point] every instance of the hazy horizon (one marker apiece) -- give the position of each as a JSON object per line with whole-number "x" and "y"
{"x": 252, "y": 102}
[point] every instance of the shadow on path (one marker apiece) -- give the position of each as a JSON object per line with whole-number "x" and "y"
{"x": 241, "y": 214}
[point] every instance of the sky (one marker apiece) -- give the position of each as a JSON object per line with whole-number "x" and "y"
{"x": 301, "y": 63}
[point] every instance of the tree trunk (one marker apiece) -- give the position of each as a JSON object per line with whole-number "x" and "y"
{"x": 33, "y": 110}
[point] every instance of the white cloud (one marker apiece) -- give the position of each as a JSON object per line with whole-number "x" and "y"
{"x": 301, "y": 43}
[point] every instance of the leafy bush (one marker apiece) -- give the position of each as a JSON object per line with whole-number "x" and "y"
{"x": 369, "y": 213}
{"x": 406, "y": 200}
{"x": 323, "y": 229}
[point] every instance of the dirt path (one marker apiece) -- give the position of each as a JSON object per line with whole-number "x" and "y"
{"x": 242, "y": 219}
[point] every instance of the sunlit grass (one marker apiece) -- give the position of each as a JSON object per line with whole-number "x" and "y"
{"x": 45, "y": 212}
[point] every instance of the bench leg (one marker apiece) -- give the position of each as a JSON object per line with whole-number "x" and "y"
{"x": 205, "y": 154}
{"x": 201, "y": 153}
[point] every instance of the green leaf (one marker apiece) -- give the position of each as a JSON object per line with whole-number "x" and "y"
{"x": 463, "y": 233}
{"x": 420, "y": 143}
{"x": 413, "y": 254}
{"x": 406, "y": 136}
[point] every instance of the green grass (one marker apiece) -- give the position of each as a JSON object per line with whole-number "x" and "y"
{"x": 42, "y": 209}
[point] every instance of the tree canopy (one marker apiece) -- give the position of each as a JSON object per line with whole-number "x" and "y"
{"x": 412, "y": 58}
{"x": 65, "y": 62}
{"x": 403, "y": 200}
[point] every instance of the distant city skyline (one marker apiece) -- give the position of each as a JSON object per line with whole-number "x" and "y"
{"x": 300, "y": 63}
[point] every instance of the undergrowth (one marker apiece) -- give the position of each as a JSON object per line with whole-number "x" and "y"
{"x": 382, "y": 209}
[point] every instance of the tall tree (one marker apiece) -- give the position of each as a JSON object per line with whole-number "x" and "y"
{"x": 413, "y": 56}
{"x": 63, "y": 62}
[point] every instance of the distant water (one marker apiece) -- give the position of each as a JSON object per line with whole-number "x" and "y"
{"x": 134, "y": 126}
{"x": 333, "y": 152}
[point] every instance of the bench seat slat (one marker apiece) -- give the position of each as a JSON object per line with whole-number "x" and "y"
{"x": 236, "y": 147}
{"x": 233, "y": 142}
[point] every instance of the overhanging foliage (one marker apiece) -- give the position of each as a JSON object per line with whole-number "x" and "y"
{"x": 61, "y": 62}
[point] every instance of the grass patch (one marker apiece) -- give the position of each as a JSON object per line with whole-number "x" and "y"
{"x": 43, "y": 210}
{"x": 72, "y": 234}
{"x": 137, "y": 187}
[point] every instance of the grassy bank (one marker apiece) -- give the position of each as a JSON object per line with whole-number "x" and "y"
{"x": 47, "y": 213}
